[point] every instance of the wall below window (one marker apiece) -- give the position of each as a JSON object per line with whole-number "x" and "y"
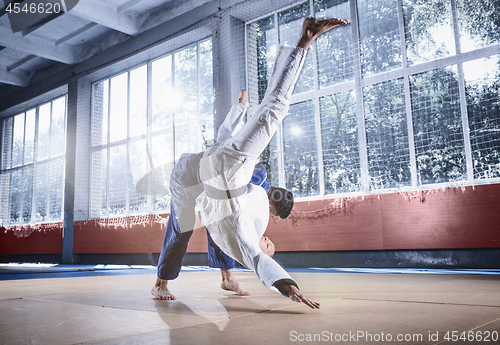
{"x": 436, "y": 219}
{"x": 32, "y": 239}
{"x": 449, "y": 218}
{"x": 427, "y": 224}
{"x": 140, "y": 234}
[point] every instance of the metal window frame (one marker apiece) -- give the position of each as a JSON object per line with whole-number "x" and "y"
{"x": 461, "y": 88}
{"x": 150, "y": 132}
{"x": 35, "y": 163}
{"x": 361, "y": 81}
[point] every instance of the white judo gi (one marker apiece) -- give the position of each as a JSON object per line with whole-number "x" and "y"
{"x": 235, "y": 212}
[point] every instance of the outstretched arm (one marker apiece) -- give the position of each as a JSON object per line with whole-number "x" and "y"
{"x": 295, "y": 294}
{"x": 234, "y": 119}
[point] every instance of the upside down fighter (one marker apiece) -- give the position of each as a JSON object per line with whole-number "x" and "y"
{"x": 185, "y": 187}
{"x": 236, "y": 213}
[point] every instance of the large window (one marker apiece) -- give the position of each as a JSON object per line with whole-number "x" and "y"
{"x": 145, "y": 119}
{"x": 33, "y": 162}
{"x": 407, "y": 96}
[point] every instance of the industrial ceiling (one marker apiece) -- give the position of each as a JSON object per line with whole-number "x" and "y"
{"x": 80, "y": 30}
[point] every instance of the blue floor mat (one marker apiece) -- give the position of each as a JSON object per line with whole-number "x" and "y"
{"x": 16, "y": 271}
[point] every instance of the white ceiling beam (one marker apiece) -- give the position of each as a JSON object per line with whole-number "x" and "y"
{"x": 75, "y": 33}
{"x": 20, "y": 63}
{"x": 101, "y": 13}
{"x": 126, "y": 5}
{"x": 17, "y": 78}
{"x": 171, "y": 10}
{"x": 48, "y": 19}
{"x": 35, "y": 46}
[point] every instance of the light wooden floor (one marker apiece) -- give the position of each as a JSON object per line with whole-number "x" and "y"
{"x": 110, "y": 306}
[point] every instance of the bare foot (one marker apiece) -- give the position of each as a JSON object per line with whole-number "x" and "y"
{"x": 229, "y": 283}
{"x": 243, "y": 97}
{"x": 233, "y": 286}
{"x": 160, "y": 290}
{"x": 312, "y": 28}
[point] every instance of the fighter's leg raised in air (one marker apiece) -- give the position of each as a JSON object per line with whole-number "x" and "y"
{"x": 216, "y": 257}
{"x": 256, "y": 134}
{"x": 311, "y": 29}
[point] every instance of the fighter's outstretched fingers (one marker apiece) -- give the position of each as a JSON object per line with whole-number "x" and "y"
{"x": 311, "y": 304}
{"x": 297, "y": 296}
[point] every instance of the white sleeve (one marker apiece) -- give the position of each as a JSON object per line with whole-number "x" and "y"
{"x": 269, "y": 272}
{"x": 233, "y": 122}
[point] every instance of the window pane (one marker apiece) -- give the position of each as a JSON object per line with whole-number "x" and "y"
{"x": 18, "y": 142}
{"x": 162, "y": 93}
{"x": 5, "y": 185}
{"x": 428, "y": 30}
{"x": 478, "y": 23}
{"x": 138, "y": 162}
{"x": 187, "y": 129}
{"x": 100, "y": 112}
{"x": 290, "y": 28}
{"x": 437, "y": 126}
{"x": 379, "y": 36}
{"x": 262, "y": 55}
{"x": 334, "y": 48}
{"x": 26, "y": 191}
{"x": 29, "y": 138}
{"x": 41, "y": 192}
{"x": 270, "y": 158}
{"x": 301, "y": 150}
{"x": 99, "y": 184}
{"x": 206, "y": 95}
{"x": 57, "y": 134}
{"x": 56, "y": 187}
{"x": 176, "y": 94}
{"x": 387, "y": 135}
{"x": 118, "y": 109}
{"x": 117, "y": 181}
{"x": 162, "y": 150}
{"x": 7, "y": 144}
{"x": 482, "y": 89}
{"x": 339, "y": 133}
{"x": 16, "y": 197}
{"x": 138, "y": 101}
{"x": 21, "y": 196}
{"x": 43, "y": 131}
{"x": 162, "y": 153}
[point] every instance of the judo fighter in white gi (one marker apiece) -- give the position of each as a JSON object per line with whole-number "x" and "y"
{"x": 185, "y": 187}
{"x": 235, "y": 212}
